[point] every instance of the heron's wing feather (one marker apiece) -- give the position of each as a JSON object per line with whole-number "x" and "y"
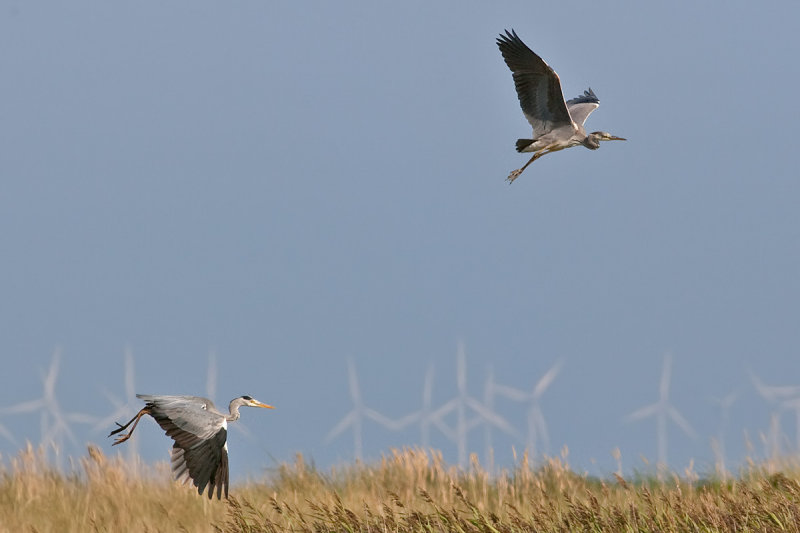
{"x": 204, "y": 461}
{"x": 582, "y": 106}
{"x": 538, "y": 86}
{"x": 221, "y": 479}
{"x": 192, "y": 414}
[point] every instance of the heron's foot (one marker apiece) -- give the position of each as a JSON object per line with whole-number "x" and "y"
{"x": 514, "y": 175}
{"x": 122, "y": 438}
{"x": 121, "y": 427}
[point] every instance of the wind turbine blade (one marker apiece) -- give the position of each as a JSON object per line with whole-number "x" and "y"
{"x": 644, "y": 412}
{"x": 474, "y": 423}
{"x": 404, "y": 421}
{"x": 81, "y": 418}
{"x": 680, "y": 421}
{"x": 490, "y": 417}
{"x": 242, "y": 428}
{"x": 427, "y": 390}
{"x": 113, "y": 400}
{"x": 773, "y": 393}
{"x": 25, "y": 407}
{"x": 59, "y": 426}
{"x": 60, "y": 419}
{"x": 666, "y": 374}
{"x": 348, "y": 420}
{"x": 7, "y": 435}
{"x": 541, "y": 427}
{"x": 355, "y": 392}
{"x": 49, "y": 432}
{"x": 461, "y": 369}
{"x": 545, "y": 381}
{"x": 211, "y": 375}
{"x": 52, "y": 374}
{"x": 130, "y": 386}
{"x": 488, "y": 387}
{"x": 378, "y": 418}
{"x": 121, "y": 411}
{"x": 793, "y": 404}
{"x": 445, "y": 430}
{"x": 444, "y": 409}
{"x": 511, "y": 393}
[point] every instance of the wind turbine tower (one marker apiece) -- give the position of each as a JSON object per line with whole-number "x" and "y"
{"x": 537, "y": 427}
{"x": 663, "y": 411}
{"x": 360, "y": 411}
{"x": 461, "y": 404}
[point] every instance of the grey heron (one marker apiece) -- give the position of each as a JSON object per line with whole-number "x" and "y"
{"x": 556, "y": 124}
{"x": 200, "y": 431}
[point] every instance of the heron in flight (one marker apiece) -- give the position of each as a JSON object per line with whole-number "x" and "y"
{"x": 556, "y": 124}
{"x": 200, "y": 431}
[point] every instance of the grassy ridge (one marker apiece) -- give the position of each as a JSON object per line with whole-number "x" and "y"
{"x": 408, "y": 490}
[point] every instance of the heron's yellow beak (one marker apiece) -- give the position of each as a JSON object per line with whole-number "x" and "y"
{"x": 259, "y": 404}
{"x": 615, "y": 138}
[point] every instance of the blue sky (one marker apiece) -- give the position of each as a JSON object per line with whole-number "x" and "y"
{"x": 292, "y": 185}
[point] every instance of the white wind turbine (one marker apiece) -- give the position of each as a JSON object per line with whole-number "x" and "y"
{"x": 780, "y": 397}
{"x": 490, "y": 389}
{"x": 537, "y": 427}
{"x": 355, "y": 417}
{"x": 54, "y": 422}
{"x": 461, "y": 404}
{"x": 663, "y": 411}
{"x": 124, "y": 408}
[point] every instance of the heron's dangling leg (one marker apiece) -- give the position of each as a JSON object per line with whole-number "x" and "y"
{"x": 134, "y": 421}
{"x": 515, "y": 174}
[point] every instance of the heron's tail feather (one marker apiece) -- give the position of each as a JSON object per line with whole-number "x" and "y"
{"x": 523, "y": 143}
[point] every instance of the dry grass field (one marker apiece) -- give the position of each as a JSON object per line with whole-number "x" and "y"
{"x": 408, "y": 490}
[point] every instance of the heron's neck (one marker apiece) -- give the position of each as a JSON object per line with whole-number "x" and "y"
{"x": 234, "y": 409}
{"x": 591, "y": 142}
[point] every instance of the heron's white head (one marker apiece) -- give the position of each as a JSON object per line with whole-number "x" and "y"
{"x": 592, "y": 140}
{"x": 605, "y": 136}
{"x": 252, "y": 402}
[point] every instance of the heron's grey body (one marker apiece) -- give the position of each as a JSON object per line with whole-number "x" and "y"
{"x": 200, "y": 432}
{"x": 556, "y": 124}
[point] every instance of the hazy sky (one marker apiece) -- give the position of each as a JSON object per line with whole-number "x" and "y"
{"x": 293, "y": 184}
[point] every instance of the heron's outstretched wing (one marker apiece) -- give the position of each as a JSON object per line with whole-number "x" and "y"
{"x": 538, "y": 86}
{"x": 193, "y": 414}
{"x": 200, "y": 433}
{"x": 205, "y": 462}
{"x": 582, "y": 106}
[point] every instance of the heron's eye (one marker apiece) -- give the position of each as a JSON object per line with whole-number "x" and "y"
{"x": 203, "y": 406}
